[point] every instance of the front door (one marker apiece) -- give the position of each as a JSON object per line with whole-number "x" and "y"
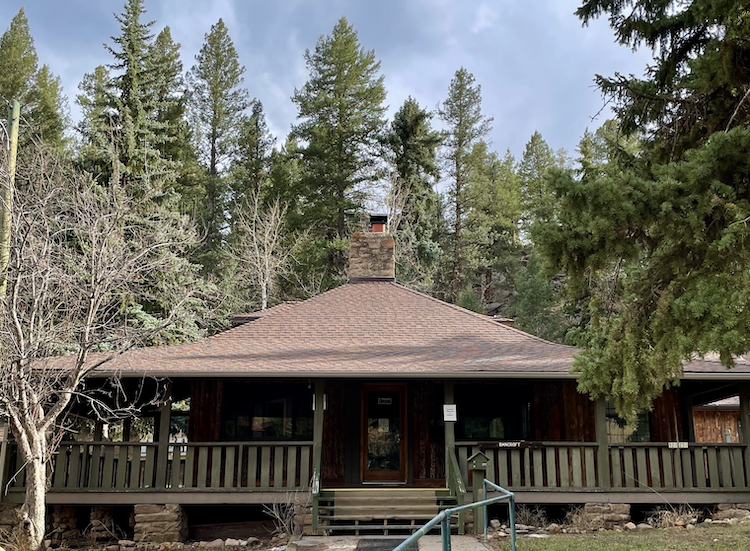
{"x": 384, "y": 432}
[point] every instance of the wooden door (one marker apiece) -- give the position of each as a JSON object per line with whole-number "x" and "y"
{"x": 384, "y": 432}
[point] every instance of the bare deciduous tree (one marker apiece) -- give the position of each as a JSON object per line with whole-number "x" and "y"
{"x": 81, "y": 254}
{"x": 259, "y": 247}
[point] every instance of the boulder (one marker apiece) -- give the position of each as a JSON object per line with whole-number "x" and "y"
{"x": 554, "y": 528}
{"x": 629, "y": 526}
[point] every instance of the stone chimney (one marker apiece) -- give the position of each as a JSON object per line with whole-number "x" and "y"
{"x": 371, "y": 253}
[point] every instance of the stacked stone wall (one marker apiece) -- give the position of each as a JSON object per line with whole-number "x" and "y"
{"x": 63, "y": 525}
{"x": 160, "y": 523}
{"x": 102, "y": 523}
{"x": 605, "y": 515}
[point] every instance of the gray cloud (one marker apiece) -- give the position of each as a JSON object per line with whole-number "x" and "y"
{"x": 533, "y": 59}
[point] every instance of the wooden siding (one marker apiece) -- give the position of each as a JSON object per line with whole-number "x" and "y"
{"x": 560, "y": 412}
{"x": 666, "y": 418}
{"x": 334, "y": 434}
{"x": 713, "y": 425}
{"x": 204, "y": 424}
{"x": 428, "y": 433}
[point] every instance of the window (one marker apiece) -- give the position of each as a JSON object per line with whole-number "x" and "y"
{"x": 493, "y": 411}
{"x": 267, "y": 411}
{"x": 619, "y": 432}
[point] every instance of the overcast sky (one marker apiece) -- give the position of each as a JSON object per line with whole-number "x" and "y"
{"x": 533, "y": 59}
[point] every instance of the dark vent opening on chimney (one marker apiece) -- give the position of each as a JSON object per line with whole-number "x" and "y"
{"x": 378, "y": 223}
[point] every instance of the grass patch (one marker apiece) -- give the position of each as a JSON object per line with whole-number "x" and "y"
{"x": 730, "y": 538}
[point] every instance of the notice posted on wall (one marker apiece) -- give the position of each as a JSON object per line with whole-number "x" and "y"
{"x": 450, "y": 413}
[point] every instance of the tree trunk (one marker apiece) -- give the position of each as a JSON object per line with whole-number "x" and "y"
{"x": 32, "y": 526}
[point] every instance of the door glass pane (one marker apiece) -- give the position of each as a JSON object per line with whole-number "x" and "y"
{"x": 383, "y": 431}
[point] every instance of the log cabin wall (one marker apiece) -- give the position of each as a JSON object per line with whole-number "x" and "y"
{"x": 716, "y": 425}
{"x": 428, "y": 433}
{"x": 666, "y": 418}
{"x": 562, "y": 413}
{"x": 204, "y": 422}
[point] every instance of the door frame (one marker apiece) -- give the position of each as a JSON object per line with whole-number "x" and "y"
{"x": 385, "y": 477}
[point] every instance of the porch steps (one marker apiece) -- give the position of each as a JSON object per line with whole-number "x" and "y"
{"x": 386, "y": 511}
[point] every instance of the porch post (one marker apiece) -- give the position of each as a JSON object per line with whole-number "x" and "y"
{"x": 744, "y": 392}
{"x": 318, "y": 417}
{"x": 600, "y": 423}
{"x": 450, "y": 432}
{"x": 162, "y": 453}
{"x": 5, "y": 432}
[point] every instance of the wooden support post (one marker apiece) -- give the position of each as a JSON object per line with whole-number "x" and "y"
{"x": 4, "y": 456}
{"x": 744, "y": 392}
{"x": 450, "y": 429}
{"x": 318, "y": 418}
{"x": 162, "y": 454}
{"x": 600, "y": 423}
{"x": 477, "y": 463}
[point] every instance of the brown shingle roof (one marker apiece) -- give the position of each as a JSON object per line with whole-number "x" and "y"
{"x": 367, "y": 328}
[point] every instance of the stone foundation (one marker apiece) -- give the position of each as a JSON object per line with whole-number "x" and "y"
{"x": 160, "y": 523}
{"x": 605, "y": 515}
{"x": 64, "y": 525}
{"x": 102, "y": 523}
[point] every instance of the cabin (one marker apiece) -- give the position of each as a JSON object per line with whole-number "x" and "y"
{"x": 369, "y": 401}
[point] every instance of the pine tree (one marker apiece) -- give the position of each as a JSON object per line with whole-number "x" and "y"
{"x": 413, "y": 148}
{"x": 47, "y": 108}
{"x": 466, "y": 125}
{"x": 43, "y": 104}
{"x": 251, "y": 167}
{"x": 340, "y": 121}
{"x": 217, "y": 101}
{"x": 670, "y": 223}
{"x": 538, "y": 158}
{"x": 96, "y": 126}
{"x": 18, "y": 60}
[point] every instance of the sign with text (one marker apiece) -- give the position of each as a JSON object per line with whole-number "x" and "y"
{"x": 678, "y": 445}
{"x": 450, "y": 413}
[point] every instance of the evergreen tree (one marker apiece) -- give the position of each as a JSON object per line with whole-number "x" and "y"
{"x": 251, "y": 167}
{"x": 670, "y": 223}
{"x": 217, "y": 101}
{"x": 43, "y": 104}
{"x": 493, "y": 210}
{"x": 538, "y": 158}
{"x": 48, "y": 108}
{"x": 413, "y": 148}
{"x": 136, "y": 102}
{"x": 466, "y": 126}
{"x": 96, "y": 127}
{"x": 340, "y": 121}
{"x": 18, "y": 60}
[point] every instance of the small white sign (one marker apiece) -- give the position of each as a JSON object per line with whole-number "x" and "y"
{"x": 449, "y": 412}
{"x": 678, "y": 445}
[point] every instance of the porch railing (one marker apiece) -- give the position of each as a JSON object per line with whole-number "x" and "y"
{"x": 632, "y": 467}
{"x": 239, "y": 466}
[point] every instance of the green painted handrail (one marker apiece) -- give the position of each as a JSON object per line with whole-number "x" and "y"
{"x": 444, "y": 516}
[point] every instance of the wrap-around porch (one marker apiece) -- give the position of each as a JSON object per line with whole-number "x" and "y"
{"x": 431, "y": 452}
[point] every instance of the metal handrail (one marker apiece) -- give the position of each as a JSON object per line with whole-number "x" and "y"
{"x": 443, "y": 518}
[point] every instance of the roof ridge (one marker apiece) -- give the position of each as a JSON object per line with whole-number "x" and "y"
{"x": 484, "y": 318}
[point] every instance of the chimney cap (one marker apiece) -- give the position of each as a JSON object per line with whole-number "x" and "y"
{"x": 378, "y": 219}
